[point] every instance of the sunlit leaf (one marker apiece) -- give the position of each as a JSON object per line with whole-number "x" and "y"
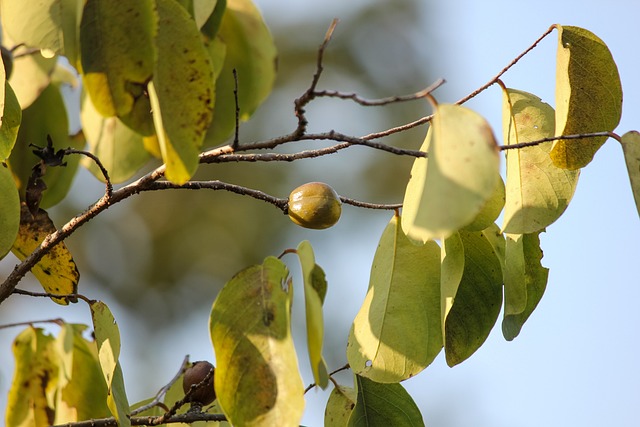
{"x": 212, "y": 25}
{"x": 83, "y": 392}
{"x": 11, "y": 118}
{"x": 478, "y": 299}
{"x": 631, "y": 148}
{"x": 448, "y": 190}
{"x": 34, "y": 377}
{"x": 257, "y": 378}
{"x": 116, "y": 66}
{"x": 9, "y": 210}
{"x": 397, "y": 331}
{"x": 108, "y": 343}
{"x": 588, "y": 95}
{"x": 56, "y": 271}
{"x": 252, "y": 53}
{"x": 45, "y": 24}
{"x": 45, "y": 116}
{"x": 120, "y": 149}
{"x": 315, "y": 289}
{"x": 538, "y": 191}
{"x": 340, "y": 405}
{"x": 525, "y": 281}
{"x": 183, "y": 91}
{"x": 383, "y": 405}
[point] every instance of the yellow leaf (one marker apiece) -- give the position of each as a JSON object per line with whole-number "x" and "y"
{"x": 537, "y": 191}
{"x": 588, "y": 95}
{"x": 257, "y": 378}
{"x": 449, "y": 189}
{"x": 56, "y": 271}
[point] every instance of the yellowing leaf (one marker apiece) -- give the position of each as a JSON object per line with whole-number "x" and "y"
{"x": 257, "y": 379}
{"x": 631, "y": 148}
{"x": 108, "y": 342}
{"x": 525, "y": 280}
{"x": 9, "y": 210}
{"x": 34, "y": 379}
{"x": 252, "y": 53}
{"x": 315, "y": 289}
{"x": 56, "y": 271}
{"x": 588, "y": 95}
{"x": 45, "y": 24}
{"x": 451, "y": 269}
{"x": 383, "y": 405}
{"x": 183, "y": 83}
{"x": 538, "y": 191}
{"x": 120, "y": 149}
{"x": 447, "y": 191}
{"x": 477, "y": 301}
{"x": 339, "y": 407}
{"x": 117, "y": 52}
{"x": 82, "y": 391}
{"x": 397, "y": 331}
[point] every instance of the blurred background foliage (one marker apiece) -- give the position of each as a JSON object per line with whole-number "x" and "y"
{"x": 164, "y": 251}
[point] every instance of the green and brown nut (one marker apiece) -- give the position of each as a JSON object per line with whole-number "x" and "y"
{"x": 314, "y": 205}
{"x": 194, "y": 375}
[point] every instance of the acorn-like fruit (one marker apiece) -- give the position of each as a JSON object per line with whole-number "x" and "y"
{"x": 196, "y": 374}
{"x": 314, "y": 205}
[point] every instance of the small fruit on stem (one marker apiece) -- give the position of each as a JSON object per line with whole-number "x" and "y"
{"x": 194, "y": 375}
{"x": 314, "y": 205}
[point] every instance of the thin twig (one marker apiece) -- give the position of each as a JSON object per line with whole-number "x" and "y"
{"x": 219, "y": 185}
{"x": 556, "y": 138}
{"x": 368, "y": 205}
{"x": 505, "y": 69}
{"x": 103, "y": 170}
{"x": 382, "y": 101}
{"x": 57, "y": 321}
{"x": 188, "y": 417}
{"x": 67, "y": 297}
{"x": 160, "y": 394}
{"x": 340, "y": 369}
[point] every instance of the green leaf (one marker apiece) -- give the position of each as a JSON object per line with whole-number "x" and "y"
{"x": 45, "y": 24}
{"x": 631, "y": 149}
{"x": 315, "y": 289}
{"x": 116, "y": 66}
{"x": 120, "y": 149}
{"x": 397, "y": 331}
{"x": 588, "y": 95}
{"x": 35, "y": 376}
{"x": 478, "y": 299}
{"x": 45, "y": 116}
{"x": 340, "y": 405}
{"x": 10, "y": 122}
{"x": 252, "y": 53}
{"x": 257, "y": 379}
{"x": 491, "y": 209}
{"x": 56, "y": 271}
{"x": 82, "y": 390}
{"x": 525, "y": 280}
{"x": 538, "y": 191}
{"x": 183, "y": 92}
{"x": 9, "y": 210}
{"x": 212, "y": 25}
{"x": 383, "y": 405}
{"x": 108, "y": 342}
{"x": 447, "y": 191}
{"x": 451, "y": 270}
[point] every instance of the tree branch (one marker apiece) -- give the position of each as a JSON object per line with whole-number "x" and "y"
{"x": 188, "y": 417}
